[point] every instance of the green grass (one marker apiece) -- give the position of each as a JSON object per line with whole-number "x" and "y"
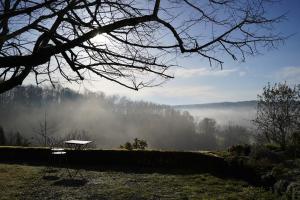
{"x": 28, "y": 182}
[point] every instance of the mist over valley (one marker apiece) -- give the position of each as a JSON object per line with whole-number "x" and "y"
{"x": 240, "y": 113}
{"x": 110, "y": 121}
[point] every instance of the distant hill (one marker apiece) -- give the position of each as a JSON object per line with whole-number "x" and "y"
{"x": 241, "y": 112}
{"x": 229, "y": 105}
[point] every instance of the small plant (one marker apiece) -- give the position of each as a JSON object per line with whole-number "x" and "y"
{"x": 137, "y": 144}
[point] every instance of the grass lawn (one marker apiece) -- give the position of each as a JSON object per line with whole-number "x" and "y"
{"x": 29, "y": 182}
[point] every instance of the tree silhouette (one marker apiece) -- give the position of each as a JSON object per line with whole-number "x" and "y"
{"x": 128, "y": 42}
{"x": 45, "y": 131}
{"x": 235, "y": 135}
{"x": 278, "y": 113}
{"x": 207, "y": 129}
{"x": 207, "y": 126}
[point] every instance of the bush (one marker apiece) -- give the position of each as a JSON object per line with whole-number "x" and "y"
{"x": 292, "y": 151}
{"x": 294, "y": 148}
{"x": 273, "y": 147}
{"x": 263, "y": 153}
{"x": 240, "y": 150}
{"x": 128, "y": 146}
{"x": 137, "y": 144}
{"x": 279, "y": 171}
{"x": 152, "y": 160}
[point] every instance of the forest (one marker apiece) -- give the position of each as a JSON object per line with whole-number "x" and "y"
{"x": 35, "y": 116}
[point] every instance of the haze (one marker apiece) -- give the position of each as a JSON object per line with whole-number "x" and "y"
{"x": 111, "y": 121}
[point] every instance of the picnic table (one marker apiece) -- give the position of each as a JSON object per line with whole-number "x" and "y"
{"x": 77, "y": 144}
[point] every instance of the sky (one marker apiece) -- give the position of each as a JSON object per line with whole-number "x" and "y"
{"x": 196, "y": 82}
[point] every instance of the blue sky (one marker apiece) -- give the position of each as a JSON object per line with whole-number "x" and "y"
{"x": 196, "y": 82}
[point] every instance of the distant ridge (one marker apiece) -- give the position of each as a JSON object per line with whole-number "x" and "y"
{"x": 237, "y": 104}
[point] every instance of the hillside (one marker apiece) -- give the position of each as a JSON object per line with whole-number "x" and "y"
{"x": 240, "y": 113}
{"x": 229, "y": 105}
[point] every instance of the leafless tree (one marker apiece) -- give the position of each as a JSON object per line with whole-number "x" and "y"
{"x": 278, "y": 114}
{"x": 130, "y": 42}
{"x": 45, "y": 131}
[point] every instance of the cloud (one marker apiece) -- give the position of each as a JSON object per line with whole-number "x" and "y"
{"x": 242, "y": 73}
{"x": 290, "y": 74}
{"x": 169, "y": 93}
{"x": 201, "y": 71}
{"x": 167, "y": 90}
{"x": 184, "y": 91}
{"x": 180, "y": 90}
{"x": 194, "y": 93}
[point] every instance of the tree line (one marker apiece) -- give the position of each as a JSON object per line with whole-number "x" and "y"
{"x": 110, "y": 120}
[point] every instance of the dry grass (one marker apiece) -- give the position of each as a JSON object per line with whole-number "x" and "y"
{"x": 29, "y": 182}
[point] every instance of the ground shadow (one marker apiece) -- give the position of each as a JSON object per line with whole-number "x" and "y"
{"x": 224, "y": 172}
{"x": 71, "y": 182}
{"x": 51, "y": 170}
{"x": 50, "y": 177}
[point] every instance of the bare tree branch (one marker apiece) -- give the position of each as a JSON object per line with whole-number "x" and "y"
{"x": 124, "y": 41}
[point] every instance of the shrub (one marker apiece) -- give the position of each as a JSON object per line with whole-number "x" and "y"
{"x": 137, "y": 144}
{"x": 128, "y": 146}
{"x": 279, "y": 171}
{"x": 240, "y": 150}
{"x": 273, "y": 147}
{"x": 260, "y": 152}
{"x": 292, "y": 152}
{"x": 294, "y": 148}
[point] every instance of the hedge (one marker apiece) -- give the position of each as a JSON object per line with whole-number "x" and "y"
{"x": 167, "y": 160}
